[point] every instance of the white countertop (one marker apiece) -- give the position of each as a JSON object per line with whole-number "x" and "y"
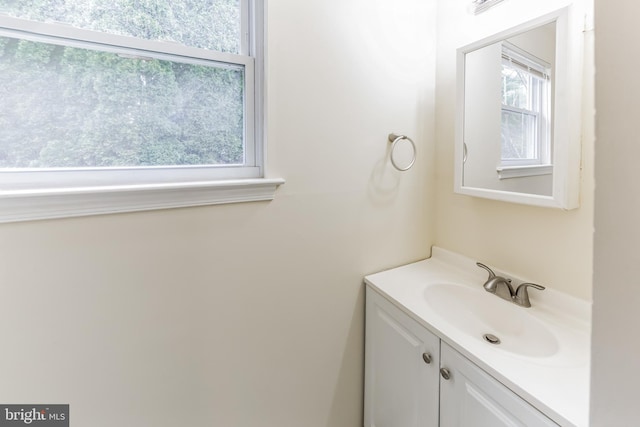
{"x": 556, "y": 384}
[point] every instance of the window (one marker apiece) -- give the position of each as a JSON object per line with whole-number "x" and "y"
{"x": 114, "y": 96}
{"x": 525, "y": 126}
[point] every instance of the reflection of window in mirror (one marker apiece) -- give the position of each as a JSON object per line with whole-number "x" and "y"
{"x": 526, "y": 100}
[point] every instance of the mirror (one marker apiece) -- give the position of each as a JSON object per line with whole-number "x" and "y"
{"x": 518, "y": 115}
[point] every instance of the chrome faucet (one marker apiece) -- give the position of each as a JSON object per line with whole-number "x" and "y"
{"x": 501, "y": 287}
{"x": 522, "y": 294}
{"x": 498, "y": 285}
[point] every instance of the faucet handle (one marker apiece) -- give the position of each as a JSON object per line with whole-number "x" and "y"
{"x": 521, "y": 296}
{"x": 491, "y": 273}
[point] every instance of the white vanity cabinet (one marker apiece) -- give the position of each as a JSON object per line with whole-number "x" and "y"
{"x": 401, "y": 368}
{"x": 412, "y": 379}
{"x": 472, "y": 398}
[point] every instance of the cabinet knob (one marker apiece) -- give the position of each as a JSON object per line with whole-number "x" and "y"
{"x": 444, "y": 372}
{"x": 426, "y": 357}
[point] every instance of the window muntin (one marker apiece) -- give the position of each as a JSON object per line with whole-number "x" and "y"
{"x": 525, "y": 123}
{"x": 233, "y": 148}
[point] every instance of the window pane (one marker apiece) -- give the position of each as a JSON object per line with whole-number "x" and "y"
{"x": 207, "y": 24}
{"x": 519, "y": 136}
{"x": 71, "y": 107}
{"x": 516, "y": 87}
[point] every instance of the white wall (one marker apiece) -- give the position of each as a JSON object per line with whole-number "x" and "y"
{"x": 247, "y": 315}
{"x": 615, "y": 340}
{"x": 482, "y": 110}
{"x": 548, "y": 246}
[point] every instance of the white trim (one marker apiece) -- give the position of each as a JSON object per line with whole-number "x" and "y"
{"x": 245, "y": 28}
{"x": 506, "y": 172}
{"x": 257, "y": 44}
{"x": 27, "y": 205}
{"x": 66, "y": 35}
{"x": 525, "y": 60}
{"x": 479, "y": 6}
{"x": 45, "y": 179}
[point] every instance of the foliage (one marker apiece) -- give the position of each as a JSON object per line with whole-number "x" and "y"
{"x": 518, "y": 129}
{"x": 208, "y": 24}
{"x": 66, "y": 106}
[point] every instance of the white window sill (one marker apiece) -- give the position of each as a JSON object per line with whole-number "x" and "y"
{"x": 27, "y": 205}
{"x": 507, "y": 172}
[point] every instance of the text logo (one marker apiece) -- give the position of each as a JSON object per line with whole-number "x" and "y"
{"x": 34, "y": 415}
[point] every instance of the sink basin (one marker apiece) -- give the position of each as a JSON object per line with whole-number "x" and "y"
{"x": 476, "y": 313}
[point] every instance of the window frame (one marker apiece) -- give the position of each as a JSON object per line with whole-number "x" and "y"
{"x": 27, "y": 194}
{"x": 540, "y": 70}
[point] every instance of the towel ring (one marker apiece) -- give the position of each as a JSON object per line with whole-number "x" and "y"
{"x": 394, "y": 139}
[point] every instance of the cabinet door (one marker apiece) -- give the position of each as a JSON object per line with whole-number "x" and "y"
{"x": 401, "y": 388}
{"x": 472, "y": 398}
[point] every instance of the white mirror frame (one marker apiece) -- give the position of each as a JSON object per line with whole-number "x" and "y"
{"x": 566, "y": 152}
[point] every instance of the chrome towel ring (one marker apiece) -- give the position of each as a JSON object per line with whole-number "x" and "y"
{"x": 394, "y": 139}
